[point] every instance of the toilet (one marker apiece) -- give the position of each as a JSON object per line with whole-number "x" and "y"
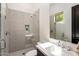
{"x": 31, "y": 53}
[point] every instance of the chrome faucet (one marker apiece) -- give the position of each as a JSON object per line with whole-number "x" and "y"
{"x": 59, "y": 43}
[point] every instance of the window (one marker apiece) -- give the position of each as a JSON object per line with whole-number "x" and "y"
{"x": 59, "y": 17}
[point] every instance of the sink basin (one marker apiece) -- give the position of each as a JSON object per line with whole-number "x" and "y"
{"x": 50, "y": 49}
{"x": 54, "y": 50}
{"x": 45, "y": 45}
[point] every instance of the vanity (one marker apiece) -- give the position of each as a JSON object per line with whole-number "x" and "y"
{"x": 51, "y": 49}
{"x": 60, "y": 41}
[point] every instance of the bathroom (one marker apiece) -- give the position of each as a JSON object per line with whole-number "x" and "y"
{"x": 30, "y": 29}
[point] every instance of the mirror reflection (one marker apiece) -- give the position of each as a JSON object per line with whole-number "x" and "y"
{"x": 57, "y": 26}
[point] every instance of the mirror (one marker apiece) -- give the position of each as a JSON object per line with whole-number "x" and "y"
{"x": 57, "y": 26}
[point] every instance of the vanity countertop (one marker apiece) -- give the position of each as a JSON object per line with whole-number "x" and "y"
{"x": 50, "y": 49}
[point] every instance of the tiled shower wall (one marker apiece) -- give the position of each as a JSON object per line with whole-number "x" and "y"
{"x": 16, "y": 28}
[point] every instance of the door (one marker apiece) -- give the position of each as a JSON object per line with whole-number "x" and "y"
{"x": 75, "y": 24}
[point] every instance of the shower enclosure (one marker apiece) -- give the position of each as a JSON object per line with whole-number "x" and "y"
{"x": 14, "y": 29}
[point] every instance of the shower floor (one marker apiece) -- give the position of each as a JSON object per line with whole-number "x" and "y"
{"x": 20, "y": 53}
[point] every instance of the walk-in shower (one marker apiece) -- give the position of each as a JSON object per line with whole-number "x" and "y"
{"x": 14, "y": 29}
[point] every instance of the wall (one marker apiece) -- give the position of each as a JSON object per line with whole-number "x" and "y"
{"x": 44, "y": 22}
{"x": 66, "y": 8}
{"x": 16, "y": 22}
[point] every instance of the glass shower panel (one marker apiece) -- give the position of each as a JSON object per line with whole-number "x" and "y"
{"x": 0, "y": 29}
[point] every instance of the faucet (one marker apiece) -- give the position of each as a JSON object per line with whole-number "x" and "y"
{"x": 59, "y": 43}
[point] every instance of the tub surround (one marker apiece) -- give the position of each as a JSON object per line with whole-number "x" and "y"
{"x": 53, "y": 49}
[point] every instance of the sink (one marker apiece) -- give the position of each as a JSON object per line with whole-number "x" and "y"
{"x": 54, "y": 50}
{"x": 46, "y": 45}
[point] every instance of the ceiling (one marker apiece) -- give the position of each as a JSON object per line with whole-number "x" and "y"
{"x": 25, "y": 7}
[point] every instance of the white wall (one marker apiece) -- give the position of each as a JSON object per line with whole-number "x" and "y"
{"x": 44, "y": 22}
{"x": 66, "y": 8}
